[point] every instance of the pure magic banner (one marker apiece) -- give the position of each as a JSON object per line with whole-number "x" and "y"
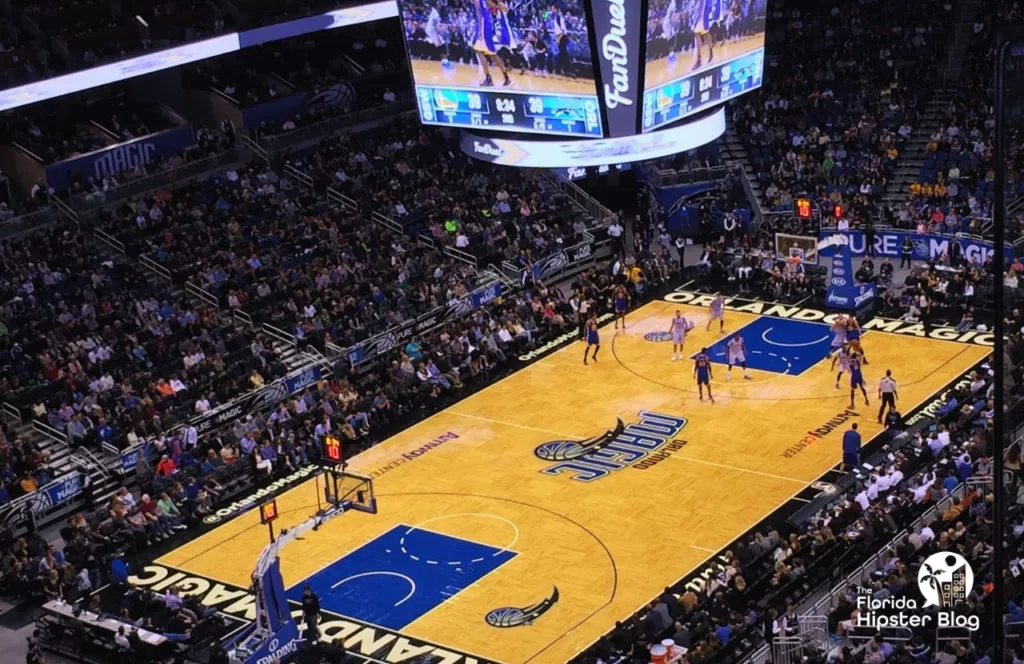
{"x": 924, "y": 247}
{"x": 617, "y": 31}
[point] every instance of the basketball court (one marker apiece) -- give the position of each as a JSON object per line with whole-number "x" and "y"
{"x": 428, "y": 72}
{"x": 661, "y": 71}
{"x": 518, "y": 525}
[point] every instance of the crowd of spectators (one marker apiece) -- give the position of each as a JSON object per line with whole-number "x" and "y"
{"x": 829, "y": 125}
{"x": 957, "y": 180}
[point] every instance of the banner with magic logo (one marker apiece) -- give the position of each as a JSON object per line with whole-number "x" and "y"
{"x": 340, "y": 97}
{"x": 120, "y": 157}
{"x": 888, "y": 243}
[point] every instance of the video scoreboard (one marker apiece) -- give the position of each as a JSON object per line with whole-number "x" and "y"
{"x": 678, "y": 99}
{"x": 602, "y": 78}
{"x": 482, "y": 108}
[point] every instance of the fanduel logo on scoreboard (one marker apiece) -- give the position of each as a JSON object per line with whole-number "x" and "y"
{"x": 617, "y": 25}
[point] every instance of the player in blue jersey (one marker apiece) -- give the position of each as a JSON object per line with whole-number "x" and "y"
{"x": 705, "y": 16}
{"x": 717, "y": 313}
{"x": 483, "y": 42}
{"x": 857, "y": 379}
{"x": 620, "y": 303}
{"x": 593, "y": 338}
{"x": 853, "y": 336}
{"x": 702, "y": 370}
{"x": 680, "y": 326}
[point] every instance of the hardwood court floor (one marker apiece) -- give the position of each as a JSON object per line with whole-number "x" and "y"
{"x": 660, "y": 71}
{"x": 469, "y": 76}
{"x": 608, "y": 545}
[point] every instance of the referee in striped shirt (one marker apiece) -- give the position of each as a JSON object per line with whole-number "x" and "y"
{"x": 886, "y": 394}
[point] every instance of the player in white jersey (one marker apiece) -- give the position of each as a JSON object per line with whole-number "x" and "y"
{"x": 680, "y": 326}
{"x": 843, "y": 356}
{"x": 717, "y": 313}
{"x": 434, "y": 36}
{"x": 839, "y": 334}
{"x": 737, "y": 352}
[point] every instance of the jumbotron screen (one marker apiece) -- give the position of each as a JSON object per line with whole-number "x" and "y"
{"x": 700, "y": 53}
{"x": 515, "y": 65}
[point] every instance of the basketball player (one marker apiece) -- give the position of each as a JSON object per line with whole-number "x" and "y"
{"x": 620, "y": 302}
{"x": 435, "y": 38}
{"x": 705, "y": 16}
{"x": 506, "y": 41}
{"x": 737, "y": 352}
{"x": 853, "y": 335}
{"x": 702, "y": 370}
{"x": 844, "y": 362}
{"x": 680, "y": 326}
{"x": 857, "y": 379}
{"x": 593, "y": 339}
{"x": 887, "y": 394}
{"x": 670, "y": 29}
{"x": 839, "y": 336}
{"x": 717, "y": 313}
{"x": 483, "y": 43}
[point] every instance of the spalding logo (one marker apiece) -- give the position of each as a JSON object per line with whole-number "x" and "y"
{"x": 658, "y": 336}
{"x": 511, "y": 616}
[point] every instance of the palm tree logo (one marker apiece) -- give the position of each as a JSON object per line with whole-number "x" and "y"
{"x": 945, "y": 579}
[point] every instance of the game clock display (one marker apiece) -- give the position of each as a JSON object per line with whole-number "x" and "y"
{"x": 495, "y": 109}
{"x": 676, "y": 100}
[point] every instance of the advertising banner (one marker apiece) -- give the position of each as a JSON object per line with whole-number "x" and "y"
{"x": 617, "y": 33}
{"x": 598, "y": 152}
{"x": 889, "y": 243}
{"x": 120, "y": 157}
{"x": 22, "y": 512}
{"x": 843, "y": 292}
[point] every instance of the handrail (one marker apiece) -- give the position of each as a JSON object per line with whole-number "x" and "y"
{"x": 256, "y": 149}
{"x": 200, "y": 293}
{"x": 335, "y": 196}
{"x": 334, "y": 348}
{"x": 241, "y": 317}
{"x": 155, "y": 268}
{"x": 316, "y": 357}
{"x": 92, "y": 459}
{"x": 425, "y": 240}
{"x": 66, "y": 210}
{"x": 56, "y": 435}
{"x": 303, "y": 179}
{"x": 387, "y": 222}
{"x": 109, "y": 240}
{"x": 11, "y": 411}
{"x": 460, "y": 255}
{"x": 279, "y": 334}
